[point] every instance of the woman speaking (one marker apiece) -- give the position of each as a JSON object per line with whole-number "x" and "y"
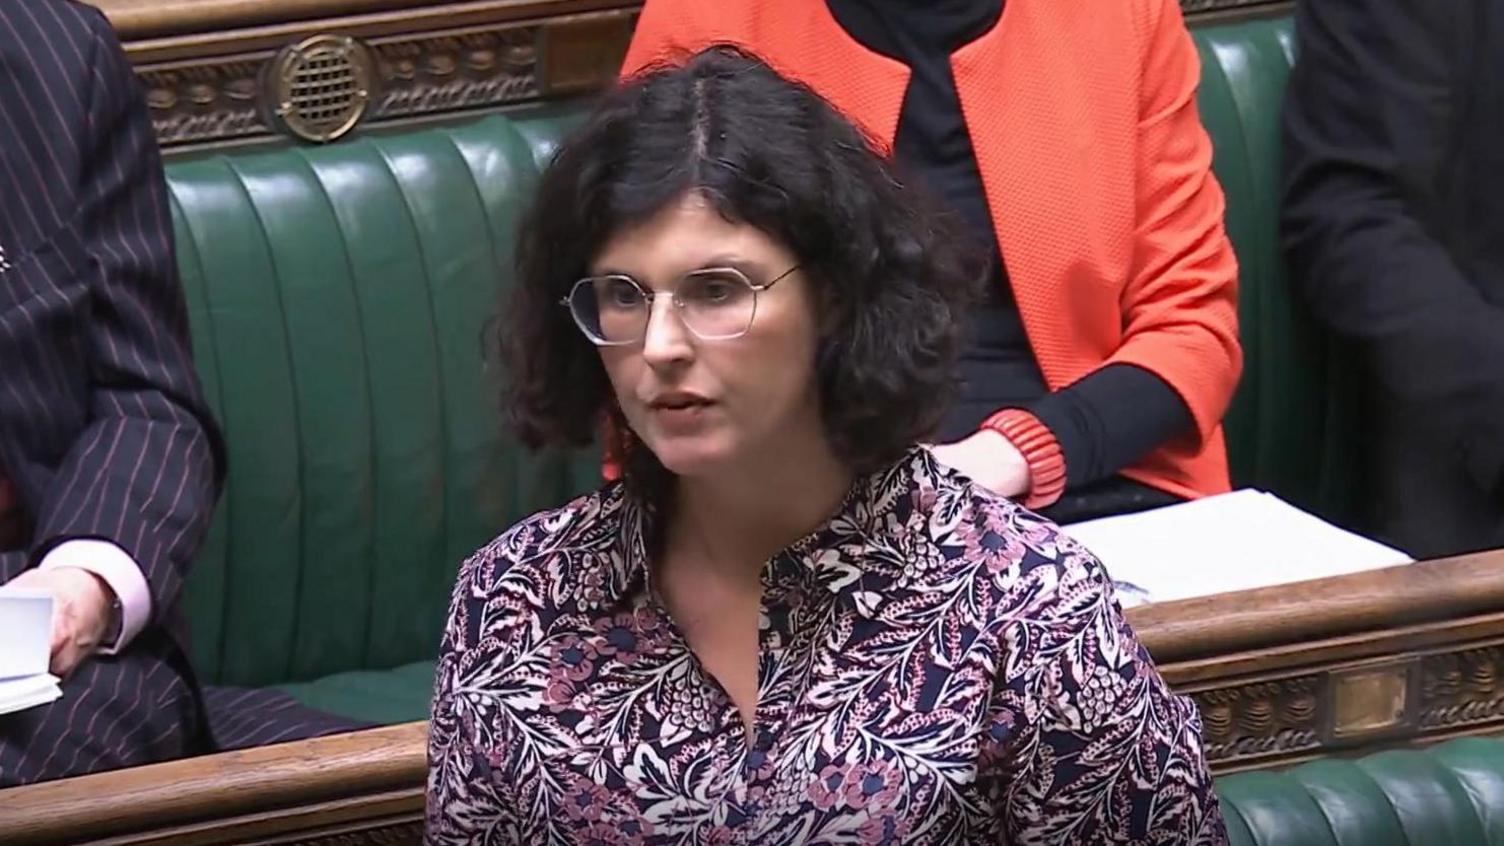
{"x": 785, "y": 623}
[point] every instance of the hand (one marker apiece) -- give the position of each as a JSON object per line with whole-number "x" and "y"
{"x": 991, "y": 461}
{"x": 81, "y": 604}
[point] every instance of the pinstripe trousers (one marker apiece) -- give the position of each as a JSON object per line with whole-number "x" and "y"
{"x": 134, "y": 708}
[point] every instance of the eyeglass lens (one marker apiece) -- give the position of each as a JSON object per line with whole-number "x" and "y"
{"x": 716, "y": 303}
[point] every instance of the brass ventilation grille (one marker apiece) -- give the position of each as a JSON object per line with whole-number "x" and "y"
{"x": 319, "y": 88}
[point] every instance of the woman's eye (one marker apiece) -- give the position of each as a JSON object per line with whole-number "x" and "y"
{"x": 715, "y": 290}
{"x": 622, "y": 295}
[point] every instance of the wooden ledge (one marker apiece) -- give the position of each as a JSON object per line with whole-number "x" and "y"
{"x": 345, "y": 785}
{"x": 1304, "y": 612}
{"x": 140, "y": 19}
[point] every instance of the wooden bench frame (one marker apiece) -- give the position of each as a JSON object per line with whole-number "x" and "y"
{"x": 1410, "y": 654}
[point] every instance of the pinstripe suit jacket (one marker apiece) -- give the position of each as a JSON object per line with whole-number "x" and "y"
{"x": 102, "y": 427}
{"x": 103, "y": 431}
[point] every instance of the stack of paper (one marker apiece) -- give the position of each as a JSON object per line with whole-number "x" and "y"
{"x": 25, "y": 650}
{"x": 1236, "y": 541}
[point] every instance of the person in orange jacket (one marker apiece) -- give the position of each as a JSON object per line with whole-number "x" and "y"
{"x": 1065, "y": 138}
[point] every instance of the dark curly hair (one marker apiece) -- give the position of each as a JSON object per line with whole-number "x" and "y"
{"x": 888, "y": 274}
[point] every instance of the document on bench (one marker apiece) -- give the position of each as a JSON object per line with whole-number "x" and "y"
{"x": 1237, "y": 541}
{"x": 25, "y": 650}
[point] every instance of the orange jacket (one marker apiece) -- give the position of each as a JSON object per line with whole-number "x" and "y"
{"x": 1096, "y": 168}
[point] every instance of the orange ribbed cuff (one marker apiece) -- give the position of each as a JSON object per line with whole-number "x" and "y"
{"x": 1040, "y": 450}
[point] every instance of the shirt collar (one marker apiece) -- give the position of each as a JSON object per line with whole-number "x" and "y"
{"x": 873, "y": 502}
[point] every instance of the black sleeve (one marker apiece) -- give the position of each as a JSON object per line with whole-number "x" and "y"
{"x": 145, "y": 471}
{"x": 1371, "y": 109}
{"x": 1110, "y": 419}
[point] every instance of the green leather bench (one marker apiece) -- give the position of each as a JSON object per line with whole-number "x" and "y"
{"x": 339, "y": 298}
{"x": 1450, "y": 795}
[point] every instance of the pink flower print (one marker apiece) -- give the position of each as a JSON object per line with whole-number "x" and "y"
{"x": 991, "y": 544}
{"x": 558, "y": 694}
{"x": 1041, "y": 535}
{"x": 827, "y": 790}
{"x": 874, "y": 785}
{"x": 585, "y": 800}
{"x": 649, "y": 626}
{"x": 618, "y": 637}
{"x": 574, "y": 658}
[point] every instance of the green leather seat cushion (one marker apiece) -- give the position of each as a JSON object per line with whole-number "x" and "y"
{"x": 377, "y": 696}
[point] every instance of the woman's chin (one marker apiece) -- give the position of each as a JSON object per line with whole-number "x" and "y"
{"x": 690, "y": 456}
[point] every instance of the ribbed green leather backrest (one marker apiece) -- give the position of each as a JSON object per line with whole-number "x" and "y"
{"x": 338, "y": 298}
{"x": 1452, "y": 794}
{"x": 1288, "y": 430}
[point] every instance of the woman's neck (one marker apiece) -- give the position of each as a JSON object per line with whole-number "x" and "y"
{"x": 736, "y": 521}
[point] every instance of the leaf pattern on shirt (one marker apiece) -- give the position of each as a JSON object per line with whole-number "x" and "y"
{"x": 938, "y": 665}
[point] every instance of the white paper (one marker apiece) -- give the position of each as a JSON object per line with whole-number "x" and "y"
{"x": 1237, "y": 541}
{"x": 28, "y": 692}
{"x": 25, "y": 632}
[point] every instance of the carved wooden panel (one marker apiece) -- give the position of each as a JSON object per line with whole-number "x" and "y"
{"x": 1261, "y": 720}
{"x": 1311, "y": 711}
{"x": 1461, "y": 689}
{"x": 474, "y": 68}
{"x": 217, "y": 98}
{"x": 210, "y": 101}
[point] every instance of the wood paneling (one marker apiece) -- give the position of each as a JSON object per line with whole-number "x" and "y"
{"x": 206, "y": 64}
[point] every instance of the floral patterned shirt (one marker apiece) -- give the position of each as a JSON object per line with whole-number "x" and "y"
{"x": 937, "y": 665}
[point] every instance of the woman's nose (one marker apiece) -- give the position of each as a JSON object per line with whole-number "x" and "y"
{"x": 665, "y": 339}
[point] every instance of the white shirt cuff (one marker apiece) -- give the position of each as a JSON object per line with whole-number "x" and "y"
{"x": 118, "y": 570}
